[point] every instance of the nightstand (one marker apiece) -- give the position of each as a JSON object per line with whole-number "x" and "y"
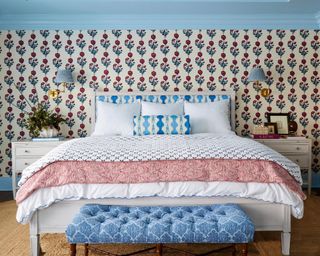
{"x": 25, "y": 153}
{"x": 298, "y": 149}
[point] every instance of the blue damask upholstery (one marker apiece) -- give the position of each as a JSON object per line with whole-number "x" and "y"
{"x": 187, "y": 224}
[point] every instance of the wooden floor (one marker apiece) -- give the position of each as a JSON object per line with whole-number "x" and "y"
{"x": 305, "y": 236}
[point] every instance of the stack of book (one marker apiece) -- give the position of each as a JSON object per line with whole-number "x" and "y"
{"x": 265, "y": 136}
{"x": 39, "y": 139}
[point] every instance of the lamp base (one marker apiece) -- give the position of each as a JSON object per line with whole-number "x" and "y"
{"x": 265, "y": 92}
{"x": 53, "y": 94}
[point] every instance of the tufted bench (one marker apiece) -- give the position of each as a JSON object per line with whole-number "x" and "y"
{"x": 101, "y": 224}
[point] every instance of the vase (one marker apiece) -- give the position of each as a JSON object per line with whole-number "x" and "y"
{"x": 293, "y": 127}
{"x": 48, "y": 132}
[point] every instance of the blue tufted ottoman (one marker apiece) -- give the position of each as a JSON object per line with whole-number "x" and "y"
{"x": 101, "y": 224}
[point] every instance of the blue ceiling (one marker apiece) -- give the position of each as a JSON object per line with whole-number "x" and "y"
{"x": 133, "y": 14}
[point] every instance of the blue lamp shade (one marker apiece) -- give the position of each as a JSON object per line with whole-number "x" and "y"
{"x": 257, "y": 74}
{"x": 64, "y": 76}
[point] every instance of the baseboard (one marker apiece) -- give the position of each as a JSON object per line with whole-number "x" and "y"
{"x": 6, "y": 196}
{"x": 5, "y": 184}
{"x": 316, "y": 180}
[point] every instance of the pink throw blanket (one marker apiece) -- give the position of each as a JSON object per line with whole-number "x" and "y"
{"x": 93, "y": 172}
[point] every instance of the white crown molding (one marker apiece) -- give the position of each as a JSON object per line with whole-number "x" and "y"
{"x": 159, "y": 22}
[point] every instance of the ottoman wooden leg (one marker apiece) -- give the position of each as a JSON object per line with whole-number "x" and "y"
{"x": 73, "y": 249}
{"x": 244, "y": 249}
{"x": 159, "y": 249}
{"x": 86, "y": 250}
{"x": 234, "y": 250}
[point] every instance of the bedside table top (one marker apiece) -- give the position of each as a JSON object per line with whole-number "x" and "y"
{"x": 29, "y": 141}
{"x": 287, "y": 140}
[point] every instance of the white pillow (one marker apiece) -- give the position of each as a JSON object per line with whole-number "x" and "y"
{"x": 115, "y": 119}
{"x": 152, "y": 109}
{"x": 210, "y": 117}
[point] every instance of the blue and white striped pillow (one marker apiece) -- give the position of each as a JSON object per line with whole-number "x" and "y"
{"x": 161, "y": 124}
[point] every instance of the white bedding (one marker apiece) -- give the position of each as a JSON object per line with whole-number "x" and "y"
{"x": 161, "y": 147}
{"x": 275, "y": 193}
{"x": 125, "y": 149}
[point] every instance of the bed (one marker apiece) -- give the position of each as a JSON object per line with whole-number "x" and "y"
{"x": 269, "y": 205}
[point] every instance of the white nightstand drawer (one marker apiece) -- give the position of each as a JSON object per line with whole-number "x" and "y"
{"x": 26, "y": 152}
{"x": 297, "y": 149}
{"x": 301, "y": 160}
{"x": 32, "y": 151}
{"x": 22, "y": 163}
{"x": 288, "y": 147}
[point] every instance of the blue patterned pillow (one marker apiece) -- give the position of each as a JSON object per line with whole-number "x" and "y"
{"x": 161, "y": 124}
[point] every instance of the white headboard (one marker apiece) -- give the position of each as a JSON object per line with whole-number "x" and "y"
{"x": 230, "y": 94}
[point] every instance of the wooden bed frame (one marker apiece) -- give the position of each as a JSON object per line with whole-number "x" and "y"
{"x": 266, "y": 216}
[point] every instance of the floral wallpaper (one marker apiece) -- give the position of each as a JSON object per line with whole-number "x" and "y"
{"x": 158, "y": 60}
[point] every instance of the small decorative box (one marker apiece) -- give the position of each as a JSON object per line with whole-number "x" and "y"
{"x": 260, "y": 129}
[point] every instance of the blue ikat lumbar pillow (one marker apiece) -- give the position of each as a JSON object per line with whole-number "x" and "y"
{"x": 161, "y": 124}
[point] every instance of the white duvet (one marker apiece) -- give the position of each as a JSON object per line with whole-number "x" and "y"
{"x": 275, "y": 193}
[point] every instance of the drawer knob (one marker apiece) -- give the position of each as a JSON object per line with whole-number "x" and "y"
{"x": 298, "y": 148}
{"x": 26, "y": 151}
{"x": 26, "y": 164}
{"x": 297, "y": 160}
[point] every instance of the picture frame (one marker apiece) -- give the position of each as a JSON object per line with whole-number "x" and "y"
{"x": 282, "y": 121}
{"x": 272, "y": 127}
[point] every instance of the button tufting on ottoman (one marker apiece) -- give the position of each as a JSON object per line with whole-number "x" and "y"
{"x": 96, "y": 224}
